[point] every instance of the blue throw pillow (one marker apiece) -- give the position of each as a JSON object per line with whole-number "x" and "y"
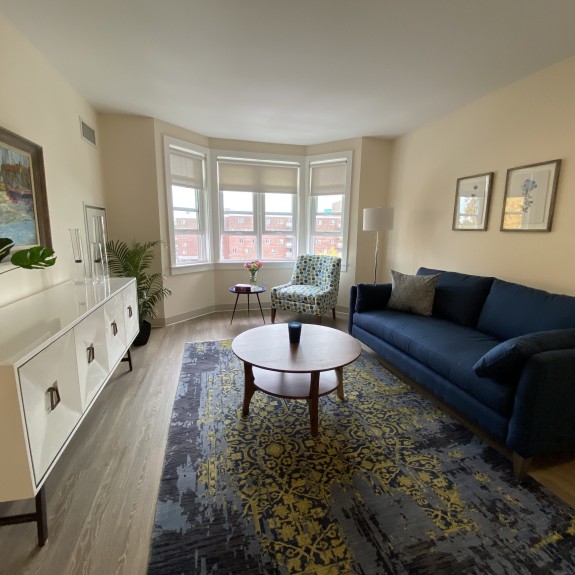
{"x": 458, "y": 297}
{"x": 372, "y": 296}
{"x": 505, "y": 361}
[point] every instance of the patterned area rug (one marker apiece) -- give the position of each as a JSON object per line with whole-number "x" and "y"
{"x": 391, "y": 485}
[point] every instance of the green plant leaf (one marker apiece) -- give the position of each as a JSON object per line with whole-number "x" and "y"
{"x": 134, "y": 260}
{"x": 35, "y": 258}
{"x": 6, "y": 244}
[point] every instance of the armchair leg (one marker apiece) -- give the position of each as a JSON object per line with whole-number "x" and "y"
{"x": 273, "y": 314}
{"x": 333, "y": 312}
{"x": 318, "y": 319}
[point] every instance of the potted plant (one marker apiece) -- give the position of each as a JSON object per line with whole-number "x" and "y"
{"x": 34, "y": 258}
{"x": 133, "y": 261}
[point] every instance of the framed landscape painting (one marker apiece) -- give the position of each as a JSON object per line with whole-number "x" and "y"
{"x": 472, "y": 197}
{"x": 23, "y": 203}
{"x": 530, "y": 197}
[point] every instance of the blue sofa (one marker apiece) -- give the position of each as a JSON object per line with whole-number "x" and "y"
{"x": 499, "y": 353}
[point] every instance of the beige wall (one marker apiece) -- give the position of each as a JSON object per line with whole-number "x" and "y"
{"x": 37, "y": 103}
{"x": 527, "y": 122}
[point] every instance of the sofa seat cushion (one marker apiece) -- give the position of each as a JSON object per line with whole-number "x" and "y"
{"x": 449, "y": 349}
{"x": 512, "y": 310}
{"x": 458, "y": 297}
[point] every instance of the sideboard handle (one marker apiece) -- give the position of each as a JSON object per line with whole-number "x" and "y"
{"x": 54, "y": 396}
{"x": 114, "y": 328}
{"x": 130, "y": 312}
{"x": 91, "y": 353}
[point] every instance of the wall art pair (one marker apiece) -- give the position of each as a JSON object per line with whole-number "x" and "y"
{"x": 528, "y": 203}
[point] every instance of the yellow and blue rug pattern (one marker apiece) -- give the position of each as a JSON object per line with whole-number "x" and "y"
{"x": 390, "y": 485}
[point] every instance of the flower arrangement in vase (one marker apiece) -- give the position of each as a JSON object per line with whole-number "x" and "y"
{"x": 254, "y": 267}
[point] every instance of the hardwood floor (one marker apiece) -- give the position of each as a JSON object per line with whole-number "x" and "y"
{"x": 101, "y": 495}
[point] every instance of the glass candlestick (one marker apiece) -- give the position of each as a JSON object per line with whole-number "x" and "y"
{"x": 78, "y": 264}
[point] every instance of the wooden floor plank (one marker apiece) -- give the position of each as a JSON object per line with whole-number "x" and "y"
{"x": 102, "y": 493}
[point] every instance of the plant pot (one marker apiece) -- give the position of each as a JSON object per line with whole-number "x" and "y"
{"x": 144, "y": 333}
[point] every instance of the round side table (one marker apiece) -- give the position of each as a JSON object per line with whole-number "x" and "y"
{"x": 257, "y": 290}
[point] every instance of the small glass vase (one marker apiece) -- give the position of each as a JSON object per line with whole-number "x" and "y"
{"x": 78, "y": 265}
{"x": 254, "y": 278}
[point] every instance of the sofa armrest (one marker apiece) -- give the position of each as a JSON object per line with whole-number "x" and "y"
{"x": 352, "y": 300}
{"x": 365, "y": 297}
{"x": 543, "y": 418}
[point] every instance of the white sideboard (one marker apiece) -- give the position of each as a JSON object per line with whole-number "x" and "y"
{"x": 57, "y": 350}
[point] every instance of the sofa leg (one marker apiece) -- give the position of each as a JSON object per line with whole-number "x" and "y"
{"x": 333, "y": 312}
{"x": 273, "y": 314}
{"x": 520, "y": 465}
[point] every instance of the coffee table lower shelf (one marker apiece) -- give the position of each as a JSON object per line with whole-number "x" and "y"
{"x": 308, "y": 386}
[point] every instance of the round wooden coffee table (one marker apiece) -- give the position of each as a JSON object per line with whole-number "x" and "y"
{"x": 292, "y": 371}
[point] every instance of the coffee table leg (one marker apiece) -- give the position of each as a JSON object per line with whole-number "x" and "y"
{"x": 249, "y": 387}
{"x": 313, "y": 403}
{"x": 339, "y": 375}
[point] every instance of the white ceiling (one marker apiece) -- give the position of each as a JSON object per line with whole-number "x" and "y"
{"x": 299, "y": 71}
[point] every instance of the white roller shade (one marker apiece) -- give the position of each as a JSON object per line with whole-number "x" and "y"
{"x": 328, "y": 178}
{"x": 186, "y": 170}
{"x": 238, "y": 176}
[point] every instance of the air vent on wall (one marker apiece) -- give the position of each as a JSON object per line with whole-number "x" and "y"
{"x": 88, "y": 133}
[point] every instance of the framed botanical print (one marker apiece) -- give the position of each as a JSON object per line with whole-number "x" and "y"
{"x": 472, "y": 199}
{"x": 530, "y": 197}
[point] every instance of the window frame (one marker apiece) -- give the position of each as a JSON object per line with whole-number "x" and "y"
{"x": 259, "y": 213}
{"x": 203, "y": 205}
{"x": 311, "y": 211}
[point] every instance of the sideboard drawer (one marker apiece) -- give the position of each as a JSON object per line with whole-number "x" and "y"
{"x": 115, "y": 329}
{"x": 91, "y": 355}
{"x": 51, "y": 401}
{"x": 131, "y": 320}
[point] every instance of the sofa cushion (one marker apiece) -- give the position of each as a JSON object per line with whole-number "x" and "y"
{"x": 505, "y": 361}
{"x": 511, "y": 310}
{"x": 372, "y": 296}
{"x": 412, "y": 293}
{"x": 448, "y": 349}
{"x": 458, "y": 297}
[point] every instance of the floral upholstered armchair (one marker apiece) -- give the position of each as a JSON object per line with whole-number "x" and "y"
{"x": 312, "y": 289}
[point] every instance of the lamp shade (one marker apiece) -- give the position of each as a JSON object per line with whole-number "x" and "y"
{"x": 375, "y": 219}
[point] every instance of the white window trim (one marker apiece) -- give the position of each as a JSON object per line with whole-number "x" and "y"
{"x": 204, "y": 208}
{"x": 346, "y": 208}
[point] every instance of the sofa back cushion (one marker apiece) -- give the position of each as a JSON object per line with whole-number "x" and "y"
{"x": 512, "y": 310}
{"x": 458, "y": 297}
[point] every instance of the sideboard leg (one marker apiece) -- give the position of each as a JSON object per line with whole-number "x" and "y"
{"x": 128, "y": 358}
{"x": 41, "y": 517}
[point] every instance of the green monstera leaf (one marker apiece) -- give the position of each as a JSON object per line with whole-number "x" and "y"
{"x": 6, "y": 244}
{"x": 35, "y": 258}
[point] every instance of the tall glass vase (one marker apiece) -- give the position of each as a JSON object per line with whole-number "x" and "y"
{"x": 98, "y": 251}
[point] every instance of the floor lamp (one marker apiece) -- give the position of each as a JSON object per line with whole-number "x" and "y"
{"x": 376, "y": 220}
